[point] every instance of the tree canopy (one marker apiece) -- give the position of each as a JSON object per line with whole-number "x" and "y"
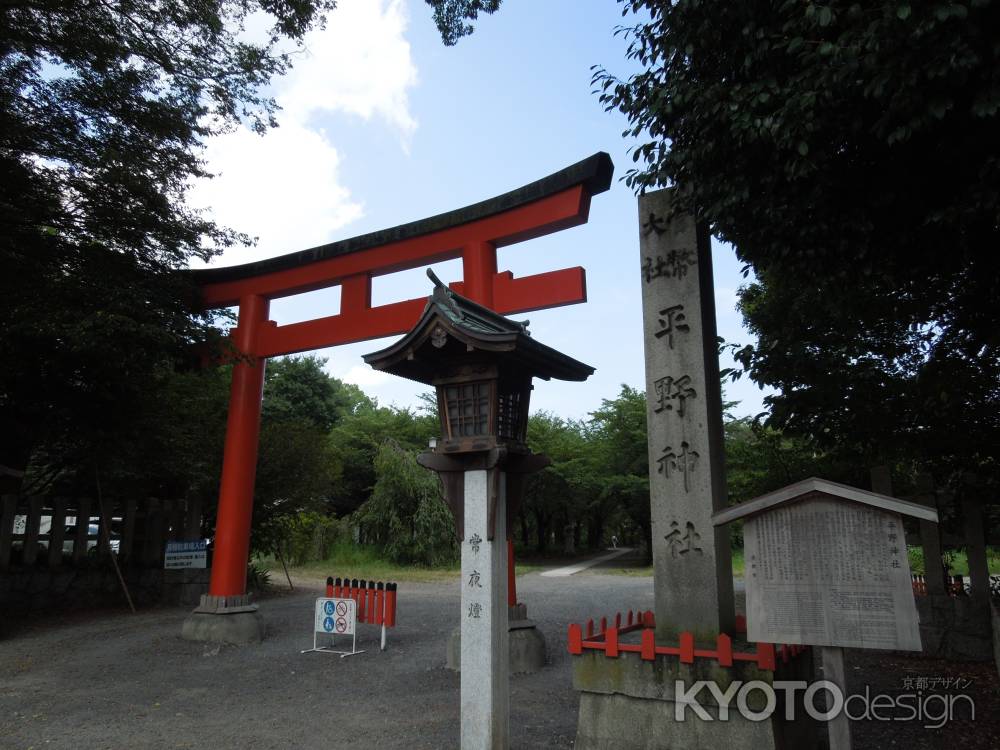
{"x": 452, "y": 16}
{"x": 847, "y": 151}
{"x": 104, "y": 110}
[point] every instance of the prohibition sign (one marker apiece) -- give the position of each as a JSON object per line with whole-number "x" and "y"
{"x": 341, "y": 624}
{"x": 341, "y": 610}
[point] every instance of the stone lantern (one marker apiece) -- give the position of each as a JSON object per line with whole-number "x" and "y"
{"x": 481, "y": 365}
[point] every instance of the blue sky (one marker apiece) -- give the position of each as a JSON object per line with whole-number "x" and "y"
{"x": 382, "y": 125}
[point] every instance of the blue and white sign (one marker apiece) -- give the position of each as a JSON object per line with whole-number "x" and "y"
{"x": 191, "y": 554}
{"x": 336, "y": 616}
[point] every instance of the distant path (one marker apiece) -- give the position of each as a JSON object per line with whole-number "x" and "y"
{"x": 576, "y": 568}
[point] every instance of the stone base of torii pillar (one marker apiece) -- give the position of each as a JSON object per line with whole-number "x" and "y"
{"x": 224, "y": 619}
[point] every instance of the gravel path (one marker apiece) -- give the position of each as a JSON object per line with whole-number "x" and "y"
{"x": 114, "y": 680}
{"x": 123, "y": 681}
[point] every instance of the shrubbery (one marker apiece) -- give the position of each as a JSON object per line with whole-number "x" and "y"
{"x": 406, "y": 515}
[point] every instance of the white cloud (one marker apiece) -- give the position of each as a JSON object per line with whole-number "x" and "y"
{"x": 359, "y": 64}
{"x": 284, "y": 187}
{"x": 365, "y": 377}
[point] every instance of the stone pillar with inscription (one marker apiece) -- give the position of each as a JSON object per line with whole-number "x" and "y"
{"x": 639, "y": 699}
{"x": 693, "y": 579}
{"x": 485, "y": 683}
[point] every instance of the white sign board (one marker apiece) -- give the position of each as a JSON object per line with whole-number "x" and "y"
{"x": 186, "y": 555}
{"x": 335, "y": 616}
{"x": 826, "y": 572}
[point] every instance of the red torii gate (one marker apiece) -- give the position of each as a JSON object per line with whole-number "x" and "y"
{"x": 473, "y": 233}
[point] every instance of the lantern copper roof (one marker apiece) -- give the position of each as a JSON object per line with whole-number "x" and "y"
{"x": 452, "y": 326}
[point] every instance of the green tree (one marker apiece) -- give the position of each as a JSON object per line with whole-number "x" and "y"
{"x": 406, "y": 515}
{"x": 557, "y": 498}
{"x": 847, "y": 151}
{"x": 356, "y": 441}
{"x": 618, "y": 429}
{"x": 299, "y": 389}
{"x": 104, "y": 110}
{"x": 452, "y": 16}
{"x": 296, "y": 473}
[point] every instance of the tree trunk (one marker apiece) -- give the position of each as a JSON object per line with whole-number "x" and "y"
{"x": 596, "y": 531}
{"x": 542, "y": 529}
{"x": 560, "y": 530}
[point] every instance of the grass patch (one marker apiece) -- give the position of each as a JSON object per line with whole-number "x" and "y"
{"x": 351, "y": 561}
{"x": 956, "y": 560}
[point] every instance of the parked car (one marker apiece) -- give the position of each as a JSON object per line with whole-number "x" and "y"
{"x": 93, "y": 534}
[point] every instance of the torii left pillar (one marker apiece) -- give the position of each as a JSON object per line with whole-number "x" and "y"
{"x": 226, "y": 613}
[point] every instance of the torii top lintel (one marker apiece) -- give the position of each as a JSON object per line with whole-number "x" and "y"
{"x": 473, "y": 233}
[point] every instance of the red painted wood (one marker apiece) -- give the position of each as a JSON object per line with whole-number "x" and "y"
{"x": 346, "y": 328}
{"x": 390, "y": 606}
{"x": 648, "y": 645}
{"x": 687, "y": 647}
{"x": 353, "y": 325}
{"x": 765, "y": 656}
{"x": 539, "y": 291}
{"x": 611, "y": 643}
{"x": 370, "y": 605}
{"x": 379, "y": 604}
{"x": 574, "y": 639}
{"x": 239, "y": 467}
{"x": 741, "y": 624}
{"x": 475, "y": 242}
{"x": 590, "y": 628}
{"x": 560, "y": 211}
{"x": 724, "y": 647}
{"x": 479, "y": 266}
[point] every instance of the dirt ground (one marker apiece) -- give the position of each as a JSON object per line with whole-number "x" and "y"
{"x": 116, "y": 680}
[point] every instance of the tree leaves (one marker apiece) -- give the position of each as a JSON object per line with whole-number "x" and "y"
{"x": 104, "y": 110}
{"x": 862, "y": 189}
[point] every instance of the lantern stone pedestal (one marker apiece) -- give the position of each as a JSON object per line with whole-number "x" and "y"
{"x": 525, "y": 644}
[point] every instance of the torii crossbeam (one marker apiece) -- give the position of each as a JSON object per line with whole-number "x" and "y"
{"x": 473, "y": 233}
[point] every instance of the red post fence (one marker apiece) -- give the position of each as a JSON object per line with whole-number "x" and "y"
{"x": 376, "y": 601}
{"x": 583, "y": 638}
{"x": 954, "y": 585}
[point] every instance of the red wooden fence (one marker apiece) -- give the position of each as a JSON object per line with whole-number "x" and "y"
{"x": 606, "y": 639}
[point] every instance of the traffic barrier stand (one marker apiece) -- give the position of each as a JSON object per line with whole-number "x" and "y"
{"x": 333, "y": 617}
{"x": 364, "y": 602}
